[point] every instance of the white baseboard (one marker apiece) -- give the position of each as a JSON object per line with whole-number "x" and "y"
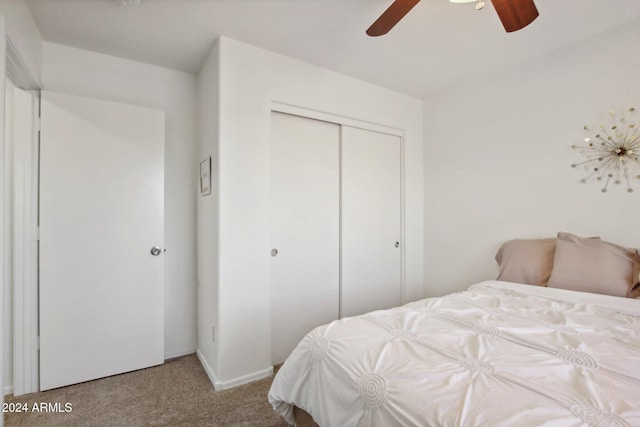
{"x": 179, "y": 353}
{"x": 207, "y": 368}
{"x": 223, "y": 385}
{"x": 254, "y": 376}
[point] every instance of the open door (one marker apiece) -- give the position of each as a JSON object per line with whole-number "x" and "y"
{"x": 101, "y": 239}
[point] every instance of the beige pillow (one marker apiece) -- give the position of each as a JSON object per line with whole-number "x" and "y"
{"x": 526, "y": 261}
{"x": 596, "y": 266}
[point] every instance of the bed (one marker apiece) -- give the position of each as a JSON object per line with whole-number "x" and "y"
{"x": 497, "y": 354}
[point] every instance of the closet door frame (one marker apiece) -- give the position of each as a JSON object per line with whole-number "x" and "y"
{"x": 295, "y": 110}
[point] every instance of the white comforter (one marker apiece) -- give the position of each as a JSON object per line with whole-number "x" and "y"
{"x": 494, "y": 355}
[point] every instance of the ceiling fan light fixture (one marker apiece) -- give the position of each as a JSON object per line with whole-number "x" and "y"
{"x": 479, "y": 3}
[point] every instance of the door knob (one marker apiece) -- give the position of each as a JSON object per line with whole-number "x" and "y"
{"x": 274, "y": 252}
{"x": 155, "y": 251}
{"x": 397, "y": 244}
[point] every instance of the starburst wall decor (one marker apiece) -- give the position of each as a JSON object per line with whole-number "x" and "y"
{"x": 612, "y": 151}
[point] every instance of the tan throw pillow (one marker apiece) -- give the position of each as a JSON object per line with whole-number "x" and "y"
{"x": 526, "y": 261}
{"x": 596, "y": 266}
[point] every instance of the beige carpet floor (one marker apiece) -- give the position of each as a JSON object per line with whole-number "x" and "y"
{"x": 177, "y": 393}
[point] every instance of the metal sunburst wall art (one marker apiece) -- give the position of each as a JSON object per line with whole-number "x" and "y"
{"x": 612, "y": 151}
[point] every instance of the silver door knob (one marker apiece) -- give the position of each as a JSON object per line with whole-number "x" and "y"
{"x": 155, "y": 251}
{"x": 274, "y": 252}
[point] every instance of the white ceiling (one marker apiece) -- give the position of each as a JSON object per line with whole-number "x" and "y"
{"x": 436, "y": 45}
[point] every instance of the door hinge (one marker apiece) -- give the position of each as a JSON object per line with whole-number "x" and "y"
{"x": 38, "y": 233}
{"x": 38, "y": 344}
{"x": 38, "y": 124}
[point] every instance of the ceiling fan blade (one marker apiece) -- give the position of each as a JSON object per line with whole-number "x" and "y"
{"x": 391, "y": 17}
{"x": 515, "y": 14}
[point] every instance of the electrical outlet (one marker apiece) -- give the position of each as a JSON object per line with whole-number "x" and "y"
{"x": 213, "y": 333}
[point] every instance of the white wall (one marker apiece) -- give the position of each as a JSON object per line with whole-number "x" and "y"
{"x": 208, "y": 124}
{"x": 85, "y": 73}
{"x": 250, "y": 79}
{"x": 23, "y": 34}
{"x": 497, "y": 158}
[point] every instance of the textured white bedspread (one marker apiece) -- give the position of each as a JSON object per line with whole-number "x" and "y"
{"x": 495, "y": 355}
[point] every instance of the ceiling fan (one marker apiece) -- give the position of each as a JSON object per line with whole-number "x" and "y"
{"x": 514, "y": 14}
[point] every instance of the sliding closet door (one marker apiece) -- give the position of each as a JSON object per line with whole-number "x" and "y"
{"x": 371, "y": 221}
{"x": 304, "y": 227}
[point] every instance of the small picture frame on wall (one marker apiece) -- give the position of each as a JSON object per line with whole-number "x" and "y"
{"x": 205, "y": 176}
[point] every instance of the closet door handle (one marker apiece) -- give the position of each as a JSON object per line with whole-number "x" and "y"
{"x": 397, "y": 244}
{"x": 274, "y": 252}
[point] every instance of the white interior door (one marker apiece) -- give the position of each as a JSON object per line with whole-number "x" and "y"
{"x": 101, "y": 211}
{"x": 371, "y": 221}
{"x": 304, "y": 227}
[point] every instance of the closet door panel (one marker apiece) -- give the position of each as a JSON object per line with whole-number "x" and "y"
{"x": 304, "y": 221}
{"x": 371, "y": 221}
